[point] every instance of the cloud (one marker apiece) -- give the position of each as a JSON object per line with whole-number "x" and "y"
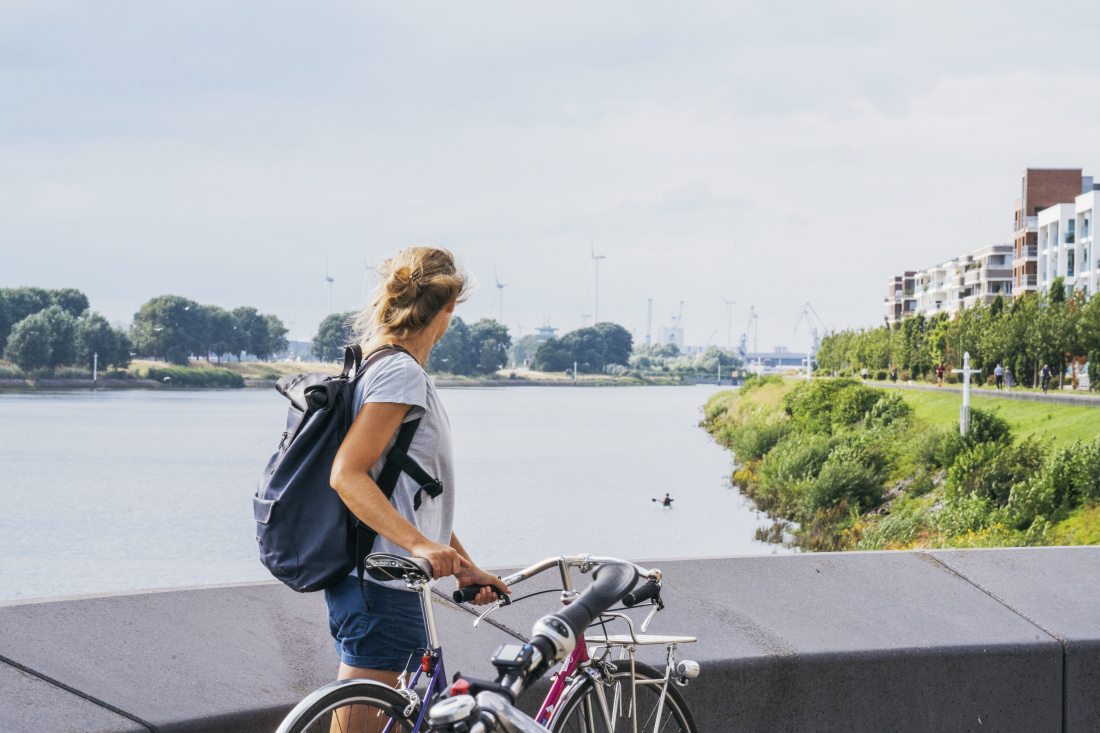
{"x": 697, "y": 196}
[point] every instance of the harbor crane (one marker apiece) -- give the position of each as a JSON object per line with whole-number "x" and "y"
{"x": 750, "y": 327}
{"x": 813, "y": 321}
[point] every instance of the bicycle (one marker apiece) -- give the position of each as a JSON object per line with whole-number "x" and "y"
{"x": 477, "y": 706}
{"x": 578, "y": 696}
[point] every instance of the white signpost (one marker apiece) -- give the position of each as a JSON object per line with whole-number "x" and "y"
{"x": 964, "y": 412}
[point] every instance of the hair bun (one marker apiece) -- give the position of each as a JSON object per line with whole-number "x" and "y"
{"x": 403, "y": 273}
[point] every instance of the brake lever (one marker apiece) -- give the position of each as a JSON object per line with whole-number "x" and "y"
{"x": 490, "y": 609}
{"x": 656, "y": 607}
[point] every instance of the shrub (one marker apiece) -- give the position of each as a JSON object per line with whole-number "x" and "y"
{"x": 797, "y": 458}
{"x": 904, "y": 375}
{"x": 185, "y": 377}
{"x": 72, "y": 373}
{"x": 841, "y": 481}
{"x": 756, "y": 437}
{"x": 900, "y": 529}
{"x": 754, "y": 381}
{"x": 11, "y": 372}
{"x": 950, "y": 378}
{"x": 1069, "y": 476}
{"x": 822, "y": 406}
{"x": 889, "y": 409}
{"x": 882, "y": 375}
{"x": 992, "y": 469}
{"x": 962, "y": 513}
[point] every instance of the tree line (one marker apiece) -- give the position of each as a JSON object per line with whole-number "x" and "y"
{"x": 466, "y": 350}
{"x": 47, "y": 329}
{"x": 591, "y": 349}
{"x": 1048, "y": 327}
{"x": 174, "y": 328}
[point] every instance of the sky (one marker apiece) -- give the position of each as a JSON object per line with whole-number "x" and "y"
{"x": 769, "y": 153}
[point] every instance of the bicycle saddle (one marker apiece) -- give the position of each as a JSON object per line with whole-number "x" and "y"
{"x": 382, "y": 566}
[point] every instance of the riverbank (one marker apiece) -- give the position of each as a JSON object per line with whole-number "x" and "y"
{"x": 237, "y": 375}
{"x": 861, "y": 468}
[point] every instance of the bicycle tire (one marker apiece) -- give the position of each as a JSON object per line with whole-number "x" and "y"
{"x": 579, "y": 709}
{"x": 313, "y": 714}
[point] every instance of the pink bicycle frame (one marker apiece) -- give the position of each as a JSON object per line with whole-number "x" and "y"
{"x": 578, "y": 657}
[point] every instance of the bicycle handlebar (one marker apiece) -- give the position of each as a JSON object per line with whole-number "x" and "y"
{"x": 469, "y": 593}
{"x": 650, "y": 590}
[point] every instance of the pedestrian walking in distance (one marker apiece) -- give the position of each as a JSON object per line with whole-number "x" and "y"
{"x": 939, "y": 375}
{"x": 999, "y": 375}
{"x": 894, "y": 374}
{"x": 379, "y": 629}
{"x": 1010, "y": 381}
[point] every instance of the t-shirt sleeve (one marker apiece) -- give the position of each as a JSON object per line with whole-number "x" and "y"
{"x": 400, "y": 380}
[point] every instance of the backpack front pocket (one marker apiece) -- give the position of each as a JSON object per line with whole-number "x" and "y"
{"x": 277, "y": 550}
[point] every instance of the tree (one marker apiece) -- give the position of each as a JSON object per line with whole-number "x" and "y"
{"x": 70, "y": 300}
{"x": 524, "y": 349}
{"x": 221, "y": 329}
{"x": 333, "y": 335}
{"x": 451, "y": 354}
{"x": 618, "y": 343}
{"x": 171, "y": 327}
{"x": 94, "y": 335}
{"x": 276, "y": 335}
{"x": 22, "y": 302}
{"x": 29, "y": 343}
{"x": 487, "y": 360}
{"x": 62, "y": 330}
{"x": 553, "y": 355}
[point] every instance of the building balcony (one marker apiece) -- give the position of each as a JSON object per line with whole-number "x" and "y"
{"x": 1030, "y": 224}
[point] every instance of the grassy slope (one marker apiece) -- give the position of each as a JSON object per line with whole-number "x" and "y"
{"x": 1061, "y": 423}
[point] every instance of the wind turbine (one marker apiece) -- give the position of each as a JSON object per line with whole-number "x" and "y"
{"x": 596, "y": 264}
{"x": 328, "y": 284}
{"x": 500, "y": 289}
{"x": 584, "y": 318}
{"x": 729, "y": 323}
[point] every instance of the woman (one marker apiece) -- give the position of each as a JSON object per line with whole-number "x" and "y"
{"x": 411, "y": 308}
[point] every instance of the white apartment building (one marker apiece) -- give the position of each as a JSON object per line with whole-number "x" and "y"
{"x": 1064, "y": 245}
{"x": 952, "y": 285}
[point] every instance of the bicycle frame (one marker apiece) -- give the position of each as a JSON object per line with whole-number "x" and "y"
{"x": 431, "y": 663}
{"x": 561, "y": 678}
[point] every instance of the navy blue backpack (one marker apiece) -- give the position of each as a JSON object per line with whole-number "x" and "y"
{"x": 308, "y": 538}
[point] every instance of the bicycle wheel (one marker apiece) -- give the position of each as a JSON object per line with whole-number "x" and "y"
{"x": 351, "y": 706}
{"x": 580, "y": 710}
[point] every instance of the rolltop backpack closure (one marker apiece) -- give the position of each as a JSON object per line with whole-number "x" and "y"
{"x": 307, "y": 537}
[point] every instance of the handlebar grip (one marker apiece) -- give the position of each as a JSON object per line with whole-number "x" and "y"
{"x": 646, "y": 592}
{"x": 469, "y": 593}
{"x": 610, "y": 583}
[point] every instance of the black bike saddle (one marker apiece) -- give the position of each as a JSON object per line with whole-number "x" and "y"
{"x": 382, "y": 566}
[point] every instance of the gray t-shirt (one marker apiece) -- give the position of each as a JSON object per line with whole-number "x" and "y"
{"x": 400, "y": 379}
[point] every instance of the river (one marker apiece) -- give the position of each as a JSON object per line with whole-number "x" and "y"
{"x": 123, "y": 490}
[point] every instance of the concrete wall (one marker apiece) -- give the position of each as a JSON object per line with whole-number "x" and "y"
{"x": 982, "y": 640}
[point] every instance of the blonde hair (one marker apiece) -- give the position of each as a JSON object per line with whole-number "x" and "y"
{"x": 413, "y": 287}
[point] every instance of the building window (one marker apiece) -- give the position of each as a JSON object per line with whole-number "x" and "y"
{"x": 1069, "y": 263}
{"x": 1069, "y": 230}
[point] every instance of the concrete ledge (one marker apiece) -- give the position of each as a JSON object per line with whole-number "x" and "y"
{"x": 898, "y": 641}
{"x": 1058, "y": 398}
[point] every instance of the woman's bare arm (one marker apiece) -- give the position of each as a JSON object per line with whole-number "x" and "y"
{"x": 362, "y": 447}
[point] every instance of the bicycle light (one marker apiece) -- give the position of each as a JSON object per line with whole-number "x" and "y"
{"x": 452, "y": 710}
{"x": 687, "y": 669}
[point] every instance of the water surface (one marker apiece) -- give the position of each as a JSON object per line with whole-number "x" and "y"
{"x": 109, "y": 491}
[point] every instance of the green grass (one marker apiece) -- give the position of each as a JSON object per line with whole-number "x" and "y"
{"x": 1063, "y": 424}
{"x": 1082, "y": 527}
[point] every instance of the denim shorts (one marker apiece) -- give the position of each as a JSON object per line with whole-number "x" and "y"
{"x": 386, "y": 637}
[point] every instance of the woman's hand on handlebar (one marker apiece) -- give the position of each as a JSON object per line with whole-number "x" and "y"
{"x": 476, "y": 576}
{"x": 445, "y": 559}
